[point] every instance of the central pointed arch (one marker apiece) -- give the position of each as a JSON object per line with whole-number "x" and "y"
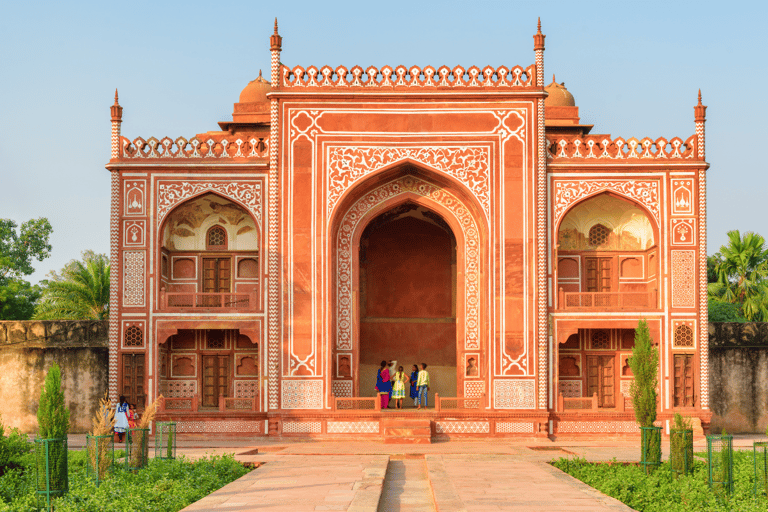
{"x": 457, "y": 208}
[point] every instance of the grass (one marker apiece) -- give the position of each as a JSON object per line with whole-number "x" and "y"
{"x": 663, "y": 490}
{"x": 162, "y": 486}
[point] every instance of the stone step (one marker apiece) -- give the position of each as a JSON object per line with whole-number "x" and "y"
{"x": 407, "y": 431}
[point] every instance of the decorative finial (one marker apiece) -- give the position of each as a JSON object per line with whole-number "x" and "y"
{"x": 538, "y": 26}
{"x": 553, "y": 79}
{"x": 275, "y": 41}
{"x": 538, "y": 40}
{"x": 116, "y": 103}
{"x": 259, "y": 73}
{"x": 700, "y": 110}
{"x": 116, "y": 110}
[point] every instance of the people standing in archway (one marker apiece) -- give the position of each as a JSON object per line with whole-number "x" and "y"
{"x": 422, "y": 381}
{"x": 383, "y": 385}
{"x": 398, "y": 387}
{"x": 414, "y": 388}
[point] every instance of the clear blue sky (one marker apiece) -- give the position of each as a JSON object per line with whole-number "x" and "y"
{"x": 633, "y": 67}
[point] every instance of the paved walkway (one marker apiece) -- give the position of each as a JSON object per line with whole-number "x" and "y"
{"x": 366, "y": 476}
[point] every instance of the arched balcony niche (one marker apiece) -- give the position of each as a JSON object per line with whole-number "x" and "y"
{"x": 607, "y": 256}
{"x": 209, "y": 256}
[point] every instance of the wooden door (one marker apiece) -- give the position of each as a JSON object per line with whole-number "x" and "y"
{"x": 216, "y": 275}
{"x": 601, "y": 379}
{"x": 599, "y": 274}
{"x": 133, "y": 379}
{"x": 683, "y": 380}
{"x": 215, "y": 379}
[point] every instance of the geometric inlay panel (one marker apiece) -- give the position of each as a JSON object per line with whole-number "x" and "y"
{"x": 514, "y": 394}
{"x": 250, "y": 427}
{"x": 302, "y": 427}
{"x": 302, "y": 394}
{"x": 180, "y": 388}
{"x": 342, "y": 388}
{"x": 133, "y": 278}
{"x": 473, "y": 389}
{"x": 506, "y": 427}
{"x": 570, "y": 388}
{"x": 352, "y": 427}
{"x": 597, "y": 427}
{"x": 246, "y": 388}
{"x": 462, "y": 427}
{"x": 683, "y": 279}
{"x": 624, "y": 387}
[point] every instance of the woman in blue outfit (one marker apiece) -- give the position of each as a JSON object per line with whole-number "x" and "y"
{"x": 383, "y": 384}
{"x": 414, "y": 388}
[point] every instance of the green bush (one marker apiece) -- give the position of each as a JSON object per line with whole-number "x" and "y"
{"x": 163, "y": 485}
{"x": 663, "y": 491}
{"x": 720, "y": 311}
{"x": 53, "y": 423}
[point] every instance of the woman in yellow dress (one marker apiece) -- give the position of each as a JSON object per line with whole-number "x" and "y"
{"x": 398, "y": 387}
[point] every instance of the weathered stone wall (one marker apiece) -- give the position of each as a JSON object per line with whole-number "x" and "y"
{"x": 27, "y": 350}
{"x": 738, "y": 377}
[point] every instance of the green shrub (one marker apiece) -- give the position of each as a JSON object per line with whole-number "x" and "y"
{"x": 681, "y": 445}
{"x": 663, "y": 491}
{"x": 53, "y": 423}
{"x": 163, "y": 485}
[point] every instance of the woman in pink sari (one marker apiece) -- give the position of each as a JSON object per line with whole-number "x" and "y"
{"x": 383, "y": 385}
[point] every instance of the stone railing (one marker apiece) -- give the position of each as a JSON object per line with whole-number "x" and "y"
{"x": 414, "y": 76}
{"x": 571, "y": 147}
{"x": 212, "y": 146}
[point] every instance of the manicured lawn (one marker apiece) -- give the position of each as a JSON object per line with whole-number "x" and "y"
{"x": 662, "y": 491}
{"x": 164, "y": 485}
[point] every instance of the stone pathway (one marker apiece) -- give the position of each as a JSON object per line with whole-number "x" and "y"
{"x": 406, "y": 486}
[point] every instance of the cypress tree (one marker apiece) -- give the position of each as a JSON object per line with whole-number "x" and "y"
{"x": 644, "y": 362}
{"x": 52, "y": 413}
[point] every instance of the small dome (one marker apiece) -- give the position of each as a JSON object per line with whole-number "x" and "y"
{"x": 558, "y": 95}
{"x": 256, "y": 91}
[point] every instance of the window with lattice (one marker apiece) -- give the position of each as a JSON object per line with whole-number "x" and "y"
{"x": 683, "y": 337}
{"x": 215, "y": 339}
{"x": 598, "y": 235}
{"x": 133, "y": 337}
{"x": 601, "y": 340}
{"x": 217, "y": 238}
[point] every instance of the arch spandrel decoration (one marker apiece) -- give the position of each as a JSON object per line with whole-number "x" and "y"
{"x": 349, "y": 224}
{"x": 170, "y": 194}
{"x": 468, "y": 164}
{"x": 645, "y": 192}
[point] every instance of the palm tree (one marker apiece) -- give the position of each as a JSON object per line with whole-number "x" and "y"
{"x": 81, "y": 292}
{"x": 742, "y": 275}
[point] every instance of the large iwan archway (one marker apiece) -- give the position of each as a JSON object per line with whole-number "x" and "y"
{"x": 407, "y": 296}
{"x": 389, "y": 213}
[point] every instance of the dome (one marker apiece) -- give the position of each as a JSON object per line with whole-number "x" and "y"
{"x": 256, "y": 91}
{"x": 558, "y": 95}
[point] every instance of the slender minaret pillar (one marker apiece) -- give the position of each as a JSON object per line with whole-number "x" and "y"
{"x": 114, "y": 258}
{"x": 273, "y": 296}
{"x": 117, "y": 119}
{"x": 700, "y": 112}
{"x": 542, "y": 338}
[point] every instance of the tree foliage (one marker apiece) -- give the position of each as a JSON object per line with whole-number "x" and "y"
{"x": 18, "y": 249}
{"x": 80, "y": 292}
{"x": 644, "y": 363}
{"x": 742, "y": 275}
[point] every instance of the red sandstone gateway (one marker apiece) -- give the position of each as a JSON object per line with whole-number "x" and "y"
{"x": 462, "y": 217}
